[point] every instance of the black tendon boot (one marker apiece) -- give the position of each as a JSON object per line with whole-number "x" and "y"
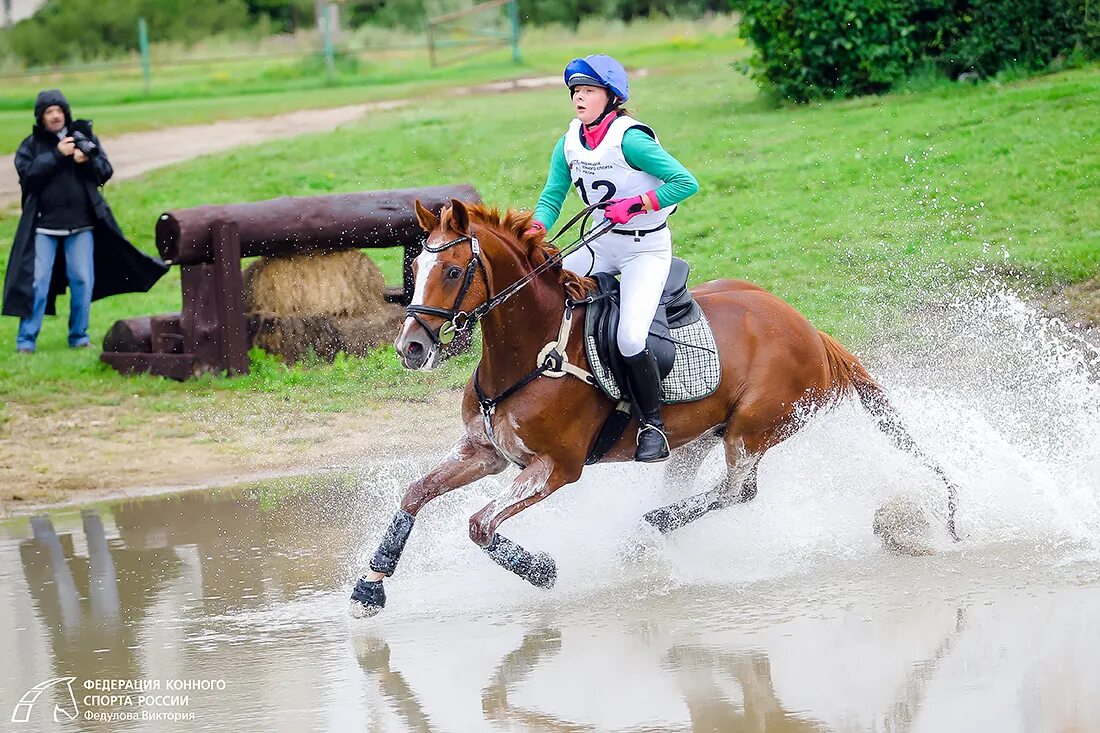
{"x": 645, "y": 383}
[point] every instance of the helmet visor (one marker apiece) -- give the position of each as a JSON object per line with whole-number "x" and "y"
{"x": 576, "y": 80}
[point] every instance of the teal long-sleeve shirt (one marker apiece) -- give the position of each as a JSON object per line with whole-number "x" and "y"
{"x": 640, "y": 151}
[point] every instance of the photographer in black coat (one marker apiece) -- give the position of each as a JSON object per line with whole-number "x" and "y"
{"x": 61, "y": 168}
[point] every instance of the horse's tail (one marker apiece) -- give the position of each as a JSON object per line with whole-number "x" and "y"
{"x": 849, "y": 375}
{"x": 845, "y": 370}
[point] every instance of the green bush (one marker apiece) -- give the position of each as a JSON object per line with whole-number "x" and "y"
{"x": 1028, "y": 34}
{"x": 286, "y": 16}
{"x": 807, "y": 49}
{"x": 408, "y": 14}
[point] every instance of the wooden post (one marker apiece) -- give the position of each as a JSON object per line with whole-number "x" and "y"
{"x": 143, "y": 43}
{"x": 326, "y": 40}
{"x": 513, "y": 21}
{"x": 232, "y": 327}
{"x": 164, "y": 334}
{"x": 431, "y": 42}
{"x": 199, "y": 318}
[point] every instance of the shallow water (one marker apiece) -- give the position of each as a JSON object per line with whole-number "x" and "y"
{"x": 200, "y": 586}
{"x": 784, "y": 614}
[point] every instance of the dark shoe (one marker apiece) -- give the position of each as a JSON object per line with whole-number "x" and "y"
{"x": 652, "y": 444}
{"x": 645, "y": 385}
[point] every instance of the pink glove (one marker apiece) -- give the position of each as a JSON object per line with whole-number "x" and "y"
{"x": 536, "y": 226}
{"x": 623, "y": 210}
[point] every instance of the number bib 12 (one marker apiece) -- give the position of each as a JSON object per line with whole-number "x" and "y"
{"x": 604, "y": 174}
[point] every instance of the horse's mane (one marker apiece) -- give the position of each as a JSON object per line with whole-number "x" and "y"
{"x": 538, "y": 250}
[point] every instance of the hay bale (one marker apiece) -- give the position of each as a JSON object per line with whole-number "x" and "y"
{"x": 342, "y": 283}
{"x": 321, "y": 303}
{"x": 294, "y": 338}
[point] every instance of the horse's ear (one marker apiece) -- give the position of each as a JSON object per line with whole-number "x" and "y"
{"x": 460, "y": 218}
{"x": 428, "y": 220}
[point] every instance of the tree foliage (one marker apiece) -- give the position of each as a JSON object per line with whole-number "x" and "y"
{"x": 284, "y": 16}
{"x": 809, "y": 49}
{"x": 86, "y": 29}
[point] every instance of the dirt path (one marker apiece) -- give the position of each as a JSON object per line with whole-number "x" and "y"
{"x": 95, "y": 453}
{"x": 136, "y": 153}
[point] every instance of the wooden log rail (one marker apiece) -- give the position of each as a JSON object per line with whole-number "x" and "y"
{"x": 208, "y": 242}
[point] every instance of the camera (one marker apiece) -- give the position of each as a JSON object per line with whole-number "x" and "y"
{"x": 84, "y": 144}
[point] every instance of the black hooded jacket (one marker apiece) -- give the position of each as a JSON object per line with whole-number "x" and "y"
{"x": 119, "y": 266}
{"x": 62, "y": 202}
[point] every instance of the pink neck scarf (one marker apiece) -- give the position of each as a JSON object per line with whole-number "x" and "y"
{"x": 593, "y": 136}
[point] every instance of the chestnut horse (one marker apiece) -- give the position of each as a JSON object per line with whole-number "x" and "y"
{"x": 774, "y": 363}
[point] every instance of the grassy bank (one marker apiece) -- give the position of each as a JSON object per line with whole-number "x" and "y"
{"x": 841, "y": 208}
{"x": 244, "y": 87}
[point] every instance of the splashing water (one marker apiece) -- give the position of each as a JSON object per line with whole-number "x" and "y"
{"x": 994, "y": 390}
{"x": 1010, "y": 395}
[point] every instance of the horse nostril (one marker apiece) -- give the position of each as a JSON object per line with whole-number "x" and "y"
{"x": 415, "y": 349}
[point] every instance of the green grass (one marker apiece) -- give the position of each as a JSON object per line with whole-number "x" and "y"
{"x": 846, "y": 209}
{"x": 203, "y": 92}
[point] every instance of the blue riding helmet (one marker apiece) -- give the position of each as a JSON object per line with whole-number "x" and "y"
{"x": 598, "y": 70}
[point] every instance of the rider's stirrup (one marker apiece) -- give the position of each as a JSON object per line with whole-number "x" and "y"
{"x": 660, "y": 432}
{"x": 644, "y": 381}
{"x": 656, "y": 453}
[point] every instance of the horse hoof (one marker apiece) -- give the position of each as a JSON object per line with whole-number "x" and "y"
{"x": 539, "y": 569}
{"x": 359, "y": 611}
{"x": 662, "y": 520}
{"x": 368, "y": 598}
{"x": 543, "y": 572}
{"x": 646, "y": 542}
{"x": 903, "y": 527}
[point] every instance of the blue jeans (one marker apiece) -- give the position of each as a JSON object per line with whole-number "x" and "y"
{"x": 79, "y": 268}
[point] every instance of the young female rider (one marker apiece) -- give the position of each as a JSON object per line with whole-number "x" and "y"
{"x": 610, "y": 157}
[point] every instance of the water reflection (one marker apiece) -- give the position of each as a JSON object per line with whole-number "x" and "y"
{"x": 373, "y": 654}
{"x": 705, "y": 676}
{"x": 91, "y": 618}
{"x": 515, "y": 668}
{"x": 248, "y": 586}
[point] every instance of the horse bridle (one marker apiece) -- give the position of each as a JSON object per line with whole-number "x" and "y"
{"x": 459, "y": 321}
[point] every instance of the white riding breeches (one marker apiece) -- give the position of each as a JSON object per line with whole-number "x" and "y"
{"x": 642, "y": 264}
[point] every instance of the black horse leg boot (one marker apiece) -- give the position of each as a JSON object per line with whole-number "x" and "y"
{"x": 645, "y": 384}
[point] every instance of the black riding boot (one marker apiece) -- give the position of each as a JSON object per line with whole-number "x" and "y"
{"x": 645, "y": 384}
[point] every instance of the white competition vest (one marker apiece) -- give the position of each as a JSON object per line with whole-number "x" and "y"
{"x": 603, "y": 173}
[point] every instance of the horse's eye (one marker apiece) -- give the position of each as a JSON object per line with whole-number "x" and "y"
{"x": 453, "y": 272}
